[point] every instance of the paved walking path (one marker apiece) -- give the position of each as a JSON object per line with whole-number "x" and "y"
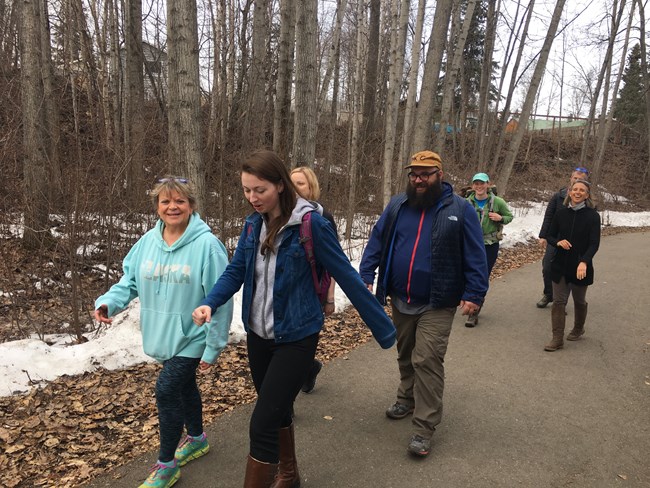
{"x": 515, "y": 416}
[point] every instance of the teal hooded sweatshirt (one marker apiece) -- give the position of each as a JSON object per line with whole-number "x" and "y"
{"x": 171, "y": 281}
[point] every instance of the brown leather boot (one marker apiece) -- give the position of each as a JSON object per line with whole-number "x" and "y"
{"x": 287, "y": 475}
{"x": 579, "y": 322}
{"x": 558, "y": 320}
{"x": 259, "y": 474}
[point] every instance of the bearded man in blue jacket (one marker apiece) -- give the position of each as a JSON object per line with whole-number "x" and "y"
{"x": 428, "y": 246}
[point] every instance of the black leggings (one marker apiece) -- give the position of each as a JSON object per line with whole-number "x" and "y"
{"x": 278, "y": 372}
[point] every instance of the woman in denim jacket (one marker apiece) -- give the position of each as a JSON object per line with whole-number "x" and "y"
{"x": 281, "y": 311}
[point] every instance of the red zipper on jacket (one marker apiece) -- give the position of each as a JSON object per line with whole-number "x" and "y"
{"x": 415, "y": 248}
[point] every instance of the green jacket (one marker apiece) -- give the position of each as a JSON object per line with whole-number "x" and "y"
{"x": 492, "y": 231}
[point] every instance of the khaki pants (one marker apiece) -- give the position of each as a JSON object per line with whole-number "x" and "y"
{"x": 421, "y": 346}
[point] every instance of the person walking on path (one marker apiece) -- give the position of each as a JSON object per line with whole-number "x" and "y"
{"x": 306, "y": 183}
{"x": 575, "y": 233}
{"x": 428, "y": 246}
{"x": 555, "y": 203}
{"x": 171, "y": 268}
{"x": 493, "y": 213}
{"x": 281, "y": 311}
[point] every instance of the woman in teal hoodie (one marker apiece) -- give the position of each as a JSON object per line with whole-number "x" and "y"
{"x": 171, "y": 269}
{"x": 493, "y": 213}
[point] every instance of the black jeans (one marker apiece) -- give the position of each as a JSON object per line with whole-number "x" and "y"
{"x": 278, "y": 371}
{"x": 179, "y": 404}
{"x": 549, "y": 254}
{"x": 492, "y": 252}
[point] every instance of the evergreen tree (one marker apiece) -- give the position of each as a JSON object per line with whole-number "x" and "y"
{"x": 630, "y": 105}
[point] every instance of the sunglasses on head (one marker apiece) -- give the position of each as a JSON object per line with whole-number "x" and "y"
{"x": 582, "y": 169}
{"x": 169, "y": 180}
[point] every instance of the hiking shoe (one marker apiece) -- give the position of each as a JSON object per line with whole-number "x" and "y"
{"x": 419, "y": 446}
{"x": 162, "y": 476}
{"x": 545, "y": 300}
{"x": 398, "y": 411}
{"x": 310, "y": 382}
{"x": 191, "y": 448}
{"x": 472, "y": 320}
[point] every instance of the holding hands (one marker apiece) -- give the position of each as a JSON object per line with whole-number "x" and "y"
{"x": 201, "y": 315}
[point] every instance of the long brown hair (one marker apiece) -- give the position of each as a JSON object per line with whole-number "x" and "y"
{"x": 267, "y": 165}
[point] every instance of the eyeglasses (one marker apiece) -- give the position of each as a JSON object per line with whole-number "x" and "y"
{"x": 582, "y": 169}
{"x": 172, "y": 179}
{"x": 423, "y": 176}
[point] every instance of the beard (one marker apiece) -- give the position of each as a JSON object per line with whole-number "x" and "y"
{"x": 425, "y": 199}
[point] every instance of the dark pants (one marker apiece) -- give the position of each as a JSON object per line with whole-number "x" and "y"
{"x": 491, "y": 251}
{"x": 546, "y": 270}
{"x": 278, "y": 371}
{"x": 179, "y": 404}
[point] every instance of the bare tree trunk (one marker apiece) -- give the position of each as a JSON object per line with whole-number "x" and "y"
{"x": 424, "y": 127}
{"x": 607, "y": 125}
{"x": 511, "y": 89}
{"x": 370, "y": 86}
{"x": 282, "y": 109}
{"x": 332, "y": 58}
{"x": 483, "y": 123}
{"x": 451, "y": 77}
{"x": 400, "y": 17}
{"x": 304, "y": 140}
{"x": 133, "y": 97}
{"x": 409, "y": 112}
{"x": 52, "y": 131}
{"x": 184, "y": 96}
{"x": 540, "y": 67}
{"x": 256, "y": 120}
{"x": 35, "y": 192}
{"x": 616, "y": 21}
{"x": 353, "y": 161}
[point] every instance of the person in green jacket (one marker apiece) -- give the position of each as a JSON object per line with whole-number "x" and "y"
{"x": 171, "y": 269}
{"x": 493, "y": 213}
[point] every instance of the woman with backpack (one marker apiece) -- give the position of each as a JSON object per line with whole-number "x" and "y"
{"x": 281, "y": 310}
{"x": 306, "y": 183}
{"x": 493, "y": 213}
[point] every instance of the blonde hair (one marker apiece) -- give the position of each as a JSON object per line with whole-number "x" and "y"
{"x": 168, "y": 184}
{"x": 312, "y": 180}
{"x": 588, "y": 202}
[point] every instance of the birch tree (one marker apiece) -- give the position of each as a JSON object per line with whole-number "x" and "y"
{"x": 400, "y": 17}
{"x": 616, "y": 20}
{"x": 451, "y": 78}
{"x": 606, "y": 127}
{"x": 411, "y": 97}
{"x": 540, "y": 67}
{"x": 437, "y": 41}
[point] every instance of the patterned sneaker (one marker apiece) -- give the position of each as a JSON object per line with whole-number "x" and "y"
{"x": 419, "y": 446}
{"x": 191, "y": 448}
{"x": 162, "y": 476}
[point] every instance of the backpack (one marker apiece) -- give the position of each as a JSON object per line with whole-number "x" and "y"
{"x": 322, "y": 284}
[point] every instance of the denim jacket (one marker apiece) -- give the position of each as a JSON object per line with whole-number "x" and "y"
{"x": 297, "y": 312}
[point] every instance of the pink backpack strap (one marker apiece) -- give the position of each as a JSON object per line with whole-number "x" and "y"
{"x": 308, "y": 244}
